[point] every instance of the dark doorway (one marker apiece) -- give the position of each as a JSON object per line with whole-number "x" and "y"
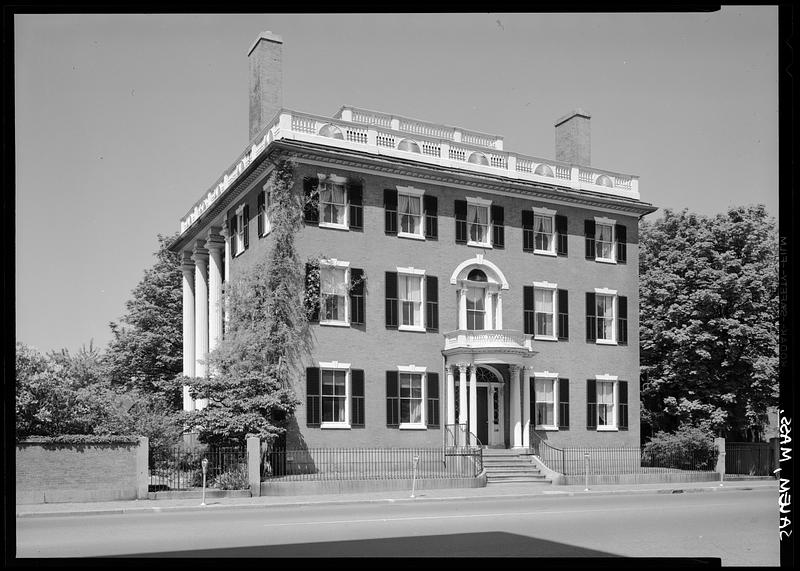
{"x": 483, "y": 416}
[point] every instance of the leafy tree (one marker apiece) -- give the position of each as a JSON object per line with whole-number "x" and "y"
{"x": 709, "y": 321}
{"x": 249, "y": 387}
{"x": 146, "y": 352}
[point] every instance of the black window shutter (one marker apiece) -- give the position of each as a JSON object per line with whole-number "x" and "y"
{"x": 622, "y": 320}
{"x": 313, "y": 404}
{"x": 246, "y": 219}
{"x": 532, "y": 403}
{"x": 460, "y": 207}
{"x": 262, "y": 205}
{"x": 591, "y": 317}
{"x": 390, "y": 206}
{"x": 591, "y": 404}
{"x": 529, "y": 322}
{"x": 498, "y": 228}
{"x": 312, "y": 292}
{"x": 357, "y": 397}
{"x": 563, "y": 404}
{"x": 622, "y": 423}
{"x": 433, "y": 399}
{"x": 431, "y": 303}
{"x": 356, "y": 296}
{"x": 233, "y": 236}
{"x": 392, "y": 399}
{"x": 311, "y": 206}
{"x": 589, "y": 231}
{"x": 563, "y": 314}
{"x": 562, "y": 236}
{"x": 621, "y": 237}
{"x": 355, "y": 198}
{"x": 431, "y": 206}
{"x": 391, "y": 300}
{"x": 527, "y": 231}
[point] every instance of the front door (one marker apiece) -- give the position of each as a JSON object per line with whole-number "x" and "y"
{"x": 483, "y": 415}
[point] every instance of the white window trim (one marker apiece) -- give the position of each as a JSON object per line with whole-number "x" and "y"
{"x": 552, "y": 377}
{"x": 423, "y": 372}
{"x": 267, "y": 225}
{"x": 335, "y": 365}
{"x": 416, "y": 272}
{"x": 483, "y": 203}
{"x": 599, "y": 220}
{"x": 613, "y": 294}
{"x": 614, "y": 404}
{"x": 545, "y": 212}
{"x": 415, "y": 193}
{"x": 334, "y": 263}
{"x": 553, "y": 289}
{"x": 335, "y": 179}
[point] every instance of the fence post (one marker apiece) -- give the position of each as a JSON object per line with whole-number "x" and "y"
{"x": 720, "y": 444}
{"x": 254, "y": 465}
{"x": 142, "y": 468}
{"x": 586, "y": 470}
{"x": 775, "y": 450}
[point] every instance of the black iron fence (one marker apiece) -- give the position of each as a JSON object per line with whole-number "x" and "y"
{"x": 621, "y": 460}
{"x": 745, "y": 459}
{"x": 180, "y": 467}
{"x": 369, "y": 463}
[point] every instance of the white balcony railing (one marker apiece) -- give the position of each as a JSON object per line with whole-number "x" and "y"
{"x": 440, "y": 145}
{"x": 488, "y": 339}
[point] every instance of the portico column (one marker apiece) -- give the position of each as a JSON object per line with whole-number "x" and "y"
{"x": 187, "y": 267}
{"x": 516, "y": 428}
{"x": 526, "y": 407}
{"x": 473, "y": 400}
{"x": 200, "y": 258}
{"x": 462, "y": 394}
{"x": 451, "y": 396}
{"x": 215, "y": 245}
{"x": 225, "y": 233}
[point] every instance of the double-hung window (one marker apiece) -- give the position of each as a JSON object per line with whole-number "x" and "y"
{"x": 240, "y": 230}
{"x": 333, "y": 203}
{"x": 545, "y": 394}
{"x": 476, "y": 308}
{"x": 545, "y": 310}
{"x": 605, "y": 317}
{"x": 606, "y": 403}
{"x": 606, "y": 241}
{"x": 409, "y": 211}
{"x": 478, "y": 222}
{"x": 544, "y": 235}
{"x": 410, "y": 398}
{"x": 334, "y": 298}
{"x": 334, "y": 396}
{"x": 264, "y": 225}
{"x": 409, "y": 290}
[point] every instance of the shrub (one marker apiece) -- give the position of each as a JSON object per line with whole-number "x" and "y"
{"x": 689, "y": 448}
{"x": 235, "y": 479}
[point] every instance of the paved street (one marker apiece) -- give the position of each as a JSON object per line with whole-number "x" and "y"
{"x": 739, "y": 527}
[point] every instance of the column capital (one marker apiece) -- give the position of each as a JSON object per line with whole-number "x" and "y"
{"x": 224, "y": 231}
{"x": 200, "y": 253}
{"x": 515, "y": 369}
{"x": 215, "y": 241}
{"x": 462, "y": 367}
{"x": 187, "y": 263}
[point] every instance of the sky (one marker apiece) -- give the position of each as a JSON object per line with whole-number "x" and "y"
{"x": 122, "y": 122}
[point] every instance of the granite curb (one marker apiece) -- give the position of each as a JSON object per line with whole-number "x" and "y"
{"x": 281, "y": 503}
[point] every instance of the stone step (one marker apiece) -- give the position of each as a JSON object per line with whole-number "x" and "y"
{"x": 516, "y": 479}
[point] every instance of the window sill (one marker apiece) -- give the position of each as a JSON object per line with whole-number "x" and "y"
{"x": 335, "y": 425}
{"x": 544, "y": 338}
{"x": 335, "y": 323}
{"x": 605, "y": 342}
{"x": 409, "y": 426}
{"x": 333, "y": 226}
{"x": 411, "y": 236}
{"x": 605, "y": 261}
{"x": 546, "y": 428}
{"x": 545, "y": 253}
{"x": 411, "y": 328}
{"x": 607, "y": 429}
{"x": 478, "y": 244}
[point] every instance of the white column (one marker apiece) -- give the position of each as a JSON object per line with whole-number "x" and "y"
{"x": 451, "y": 396}
{"x": 215, "y": 245}
{"x": 226, "y": 235}
{"x": 526, "y": 408}
{"x": 499, "y": 312}
{"x": 200, "y": 258}
{"x": 516, "y": 428}
{"x": 473, "y": 400}
{"x": 488, "y": 303}
{"x": 462, "y": 393}
{"x": 462, "y": 309}
{"x": 187, "y": 267}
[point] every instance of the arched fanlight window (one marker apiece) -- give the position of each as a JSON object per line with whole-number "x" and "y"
{"x": 408, "y": 145}
{"x": 478, "y": 159}
{"x": 331, "y": 131}
{"x": 477, "y": 275}
{"x": 605, "y": 180}
{"x": 543, "y": 170}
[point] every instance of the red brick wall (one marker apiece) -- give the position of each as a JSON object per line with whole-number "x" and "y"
{"x": 77, "y": 472}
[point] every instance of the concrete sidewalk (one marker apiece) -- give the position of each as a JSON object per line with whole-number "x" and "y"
{"x": 487, "y": 493}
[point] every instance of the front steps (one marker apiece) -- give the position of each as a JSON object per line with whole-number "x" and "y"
{"x": 511, "y": 466}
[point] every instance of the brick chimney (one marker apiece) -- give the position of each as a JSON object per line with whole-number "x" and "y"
{"x": 266, "y": 80}
{"x": 573, "y": 138}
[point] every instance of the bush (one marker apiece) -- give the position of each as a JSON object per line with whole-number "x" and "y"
{"x": 688, "y": 448}
{"x": 235, "y": 479}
